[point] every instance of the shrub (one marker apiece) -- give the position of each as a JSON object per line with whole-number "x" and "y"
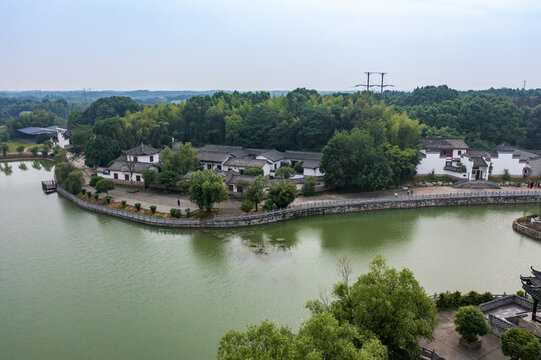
{"x": 83, "y": 191}
{"x": 470, "y": 323}
{"x": 519, "y": 344}
{"x": 521, "y": 293}
{"x": 96, "y": 197}
{"x": 432, "y": 177}
{"x": 89, "y": 193}
{"x": 285, "y": 172}
{"x": 94, "y": 180}
{"x": 108, "y": 199}
{"x": 137, "y": 206}
{"x": 506, "y": 176}
{"x": 176, "y": 213}
{"x": 455, "y": 300}
{"x": 309, "y": 186}
{"x": 188, "y": 213}
{"x": 34, "y": 150}
{"x": 104, "y": 185}
{"x": 269, "y": 205}
{"x": 246, "y": 205}
{"x": 123, "y": 204}
{"x": 254, "y": 171}
{"x": 298, "y": 167}
{"x": 184, "y": 185}
{"x": 152, "y": 208}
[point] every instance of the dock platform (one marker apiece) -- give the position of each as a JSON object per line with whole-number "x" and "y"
{"x": 49, "y": 186}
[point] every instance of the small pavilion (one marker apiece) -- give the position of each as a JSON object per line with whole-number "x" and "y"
{"x": 532, "y": 287}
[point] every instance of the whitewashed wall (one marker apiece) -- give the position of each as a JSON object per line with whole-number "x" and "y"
{"x": 505, "y": 161}
{"x": 145, "y": 158}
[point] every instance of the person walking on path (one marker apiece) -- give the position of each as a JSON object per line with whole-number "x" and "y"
{"x": 178, "y": 202}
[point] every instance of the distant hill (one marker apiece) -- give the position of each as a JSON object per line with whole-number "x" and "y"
{"x": 146, "y": 97}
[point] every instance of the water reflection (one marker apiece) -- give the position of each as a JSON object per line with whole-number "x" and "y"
{"x": 7, "y": 169}
{"x": 36, "y": 165}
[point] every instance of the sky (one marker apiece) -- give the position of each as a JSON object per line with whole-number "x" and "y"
{"x": 268, "y": 45}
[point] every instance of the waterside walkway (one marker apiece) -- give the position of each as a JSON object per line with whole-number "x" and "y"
{"x": 320, "y": 208}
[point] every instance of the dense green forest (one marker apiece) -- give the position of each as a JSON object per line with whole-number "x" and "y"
{"x": 387, "y": 127}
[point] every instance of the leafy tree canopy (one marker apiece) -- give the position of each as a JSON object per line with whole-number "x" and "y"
{"x": 206, "y": 189}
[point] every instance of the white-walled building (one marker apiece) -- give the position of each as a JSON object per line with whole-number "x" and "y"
{"x": 62, "y": 138}
{"x": 443, "y": 157}
{"x": 131, "y": 165}
{"x": 452, "y": 157}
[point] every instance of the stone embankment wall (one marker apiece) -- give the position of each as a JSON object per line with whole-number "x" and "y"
{"x": 526, "y": 230}
{"x": 323, "y": 208}
{"x": 24, "y": 157}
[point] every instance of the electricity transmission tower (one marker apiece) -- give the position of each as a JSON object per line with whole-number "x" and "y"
{"x": 368, "y": 86}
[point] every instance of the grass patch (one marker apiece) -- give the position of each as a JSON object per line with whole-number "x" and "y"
{"x": 14, "y": 144}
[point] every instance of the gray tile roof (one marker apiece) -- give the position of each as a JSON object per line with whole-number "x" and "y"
{"x": 142, "y": 150}
{"x": 122, "y": 165}
{"x": 478, "y": 161}
{"x": 302, "y": 155}
{"x": 236, "y": 151}
{"x": 481, "y": 152}
{"x": 310, "y": 164}
{"x": 213, "y": 156}
{"x": 247, "y": 162}
{"x": 273, "y": 155}
{"x": 444, "y": 143}
{"x": 522, "y": 154}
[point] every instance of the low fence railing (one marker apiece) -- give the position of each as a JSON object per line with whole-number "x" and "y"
{"x": 353, "y": 205}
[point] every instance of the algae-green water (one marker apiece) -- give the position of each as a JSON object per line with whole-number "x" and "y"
{"x": 78, "y": 285}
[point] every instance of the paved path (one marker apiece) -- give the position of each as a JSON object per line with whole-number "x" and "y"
{"x": 446, "y": 342}
{"x": 165, "y": 201}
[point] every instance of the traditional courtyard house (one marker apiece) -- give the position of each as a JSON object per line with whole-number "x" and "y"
{"x": 274, "y": 157}
{"x": 443, "y": 156}
{"x": 130, "y": 166}
{"x": 311, "y": 168}
{"x": 310, "y": 161}
{"x": 241, "y": 164}
{"x": 212, "y": 160}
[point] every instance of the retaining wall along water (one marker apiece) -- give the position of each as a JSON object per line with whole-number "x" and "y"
{"x": 322, "y": 208}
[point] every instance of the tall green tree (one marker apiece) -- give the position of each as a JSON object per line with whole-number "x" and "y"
{"x": 182, "y": 161}
{"x": 206, "y": 189}
{"x": 282, "y": 194}
{"x": 389, "y": 304}
{"x": 256, "y": 191}
{"x": 5, "y": 148}
{"x": 74, "y": 182}
{"x": 167, "y": 178}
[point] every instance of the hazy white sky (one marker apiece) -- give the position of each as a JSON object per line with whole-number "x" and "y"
{"x": 265, "y": 45}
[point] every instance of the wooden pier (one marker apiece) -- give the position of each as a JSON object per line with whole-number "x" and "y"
{"x": 49, "y": 186}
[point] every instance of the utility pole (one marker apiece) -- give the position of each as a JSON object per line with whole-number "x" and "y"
{"x": 524, "y": 87}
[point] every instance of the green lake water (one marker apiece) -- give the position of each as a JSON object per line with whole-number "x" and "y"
{"x": 77, "y": 285}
